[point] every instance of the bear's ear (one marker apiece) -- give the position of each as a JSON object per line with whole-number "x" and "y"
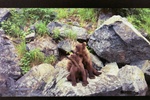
{"x": 84, "y": 44}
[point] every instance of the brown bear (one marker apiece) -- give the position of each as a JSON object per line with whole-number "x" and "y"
{"x": 82, "y": 51}
{"x": 77, "y": 71}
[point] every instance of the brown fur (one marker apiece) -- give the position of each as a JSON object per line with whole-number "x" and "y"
{"x": 83, "y": 51}
{"x": 77, "y": 71}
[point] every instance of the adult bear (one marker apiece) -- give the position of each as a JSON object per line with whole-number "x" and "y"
{"x": 82, "y": 51}
{"x": 76, "y": 69}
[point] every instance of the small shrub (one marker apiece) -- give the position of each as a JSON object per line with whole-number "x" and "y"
{"x": 37, "y": 57}
{"x": 41, "y": 29}
{"x": 87, "y": 14}
{"x": 70, "y": 34}
{"x": 62, "y": 13}
{"x": 25, "y": 62}
{"x": 31, "y": 58}
{"x": 56, "y": 33}
{"x": 50, "y": 59}
{"x": 140, "y": 19}
{"x": 12, "y": 29}
{"x": 21, "y": 48}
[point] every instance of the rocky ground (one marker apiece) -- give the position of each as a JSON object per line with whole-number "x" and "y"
{"x": 120, "y": 52}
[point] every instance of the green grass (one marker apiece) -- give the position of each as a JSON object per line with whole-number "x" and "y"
{"x": 33, "y": 58}
{"x": 87, "y": 14}
{"x": 70, "y": 34}
{"x": 30, "y": 59}
{"x": 141, "y": 19}
{"x": 41, "y": 28}
{"x": 50, "y": 59}
{"x": 56, "y": 33}
{"x": 21, "y": 49}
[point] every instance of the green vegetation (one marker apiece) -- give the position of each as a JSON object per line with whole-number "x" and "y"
{"x": 50, "y": 59}
{"x": 41, "y": 28}
{"x": 70, "y": 34}
{"x": 20, "y": 21}
{"x": 21, "y": 48}
{"x": 87, "y": 14}
{"x": 33, "y": 58}
{"x": 30, "y": 59}
{"x": 18, "y": 26}
{"x": 140, "y": 19}
{"x": 56, "y": 33}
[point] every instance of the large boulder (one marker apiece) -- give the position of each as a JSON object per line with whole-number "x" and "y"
{"x": 97, "y": 63}
{"x": 9, "y": 63}
{"x": 33, "y": 82}
{"x": 132, "y": 79}
{"x": 44, "y": 44}
{"x": 144, "y": 65}
{"x": 64, "y": 28}
{"x": 116, "y": 40}
{"x": 104, "y": 84}
{"x": 68, "y": 45}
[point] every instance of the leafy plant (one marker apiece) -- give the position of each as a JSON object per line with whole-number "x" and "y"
{"x": 71, "y": 34}
{"x": 37, "y": 57}
{"x": 41, "y": 28}
{"x": 31, "y": 58}
{"x": 12, "y": 29}
{"x": 56, "y": 33}
{"x": 140, "y": 19}
{"x": 25, "y": 62}
{"x": 21, "y": 48}
{"x": 62, "y": 13}
{"x": 87, "y": 14}
{"x": 50, "y": 59}
{"x": 43, "y": 14}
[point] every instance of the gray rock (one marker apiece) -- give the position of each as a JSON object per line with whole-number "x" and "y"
{"x": 116, "y": 40}
{"x": 9, "y": 63}
{"x": 132, "y": 79}
{"x": 63, "y": 28}
{"x": 67, "y": 45}
{"x": 104, "y": 84}
{"x": 4, "y": 14}
{"x": 30, "y": 37}
{"x": 111, "y": 69}
{"x": 3, "y": 87}
{"x": 46, "y": 45}
{"x": 97, "y": 64}
{"x": 144, "y": 65}
{"x": 33, "y": 82}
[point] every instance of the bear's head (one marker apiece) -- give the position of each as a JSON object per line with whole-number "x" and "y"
{"x": 80, "y": 48}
